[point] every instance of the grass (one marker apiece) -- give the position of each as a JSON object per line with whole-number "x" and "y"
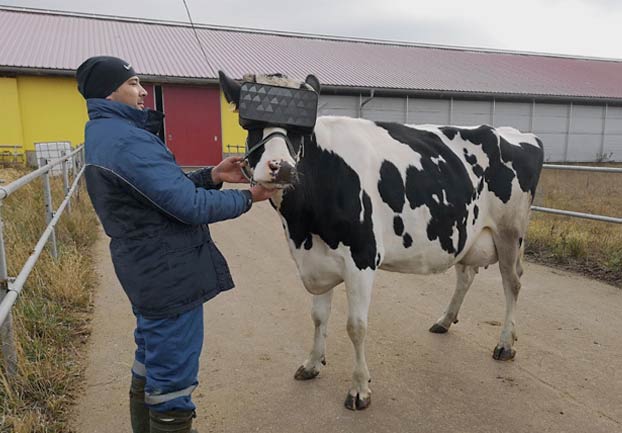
{"x": 589, "y": 247}
{"x": 51, "y": 315}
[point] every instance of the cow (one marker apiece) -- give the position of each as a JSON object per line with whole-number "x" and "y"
{"x": 356, "y": 196}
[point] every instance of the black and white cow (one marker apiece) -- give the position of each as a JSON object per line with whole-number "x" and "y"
{"x": 417, "y": 199}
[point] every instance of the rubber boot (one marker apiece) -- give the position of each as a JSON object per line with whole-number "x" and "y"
{"x": 171, "y": 422}
{"x": 139, "y": 413}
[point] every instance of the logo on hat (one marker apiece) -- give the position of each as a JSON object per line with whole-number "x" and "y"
{"x": 128, "y": 67}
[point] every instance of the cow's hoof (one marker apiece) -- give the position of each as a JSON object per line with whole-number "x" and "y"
{"x": 503, "y": 354}
{"x": 438, "y": 329}
{"x": 355, "y": 402}
{"x": 302, "y": 374}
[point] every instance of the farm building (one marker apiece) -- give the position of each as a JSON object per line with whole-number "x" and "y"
{"x": 573, "y": 104}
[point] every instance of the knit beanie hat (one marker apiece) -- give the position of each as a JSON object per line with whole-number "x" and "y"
{"x": 99, "y": 76}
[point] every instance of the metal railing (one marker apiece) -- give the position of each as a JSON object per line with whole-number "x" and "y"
{"x": 11, "y": 153}
{"x": 10, "y": 288}
{"x": 235, "y": 148}
{"x": 583, "y": 215}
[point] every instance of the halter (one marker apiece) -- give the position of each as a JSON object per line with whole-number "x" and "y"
{"x": 295, "y": 155}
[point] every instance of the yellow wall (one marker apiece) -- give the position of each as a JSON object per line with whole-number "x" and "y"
{"x": 10, "y": 119}
{"x": 35, "y": 109}
{"x": 232, "y": 132}
{"x": 51, "y": 110}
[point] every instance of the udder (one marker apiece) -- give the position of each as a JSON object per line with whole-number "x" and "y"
{"x": 482, "y": 252}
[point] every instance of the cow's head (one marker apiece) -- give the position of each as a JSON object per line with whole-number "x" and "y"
{"x": 277, "y": 112}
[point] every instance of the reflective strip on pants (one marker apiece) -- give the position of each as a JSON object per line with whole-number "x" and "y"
{"x": 139, "y": 369}
{"x": 152, "y": 399}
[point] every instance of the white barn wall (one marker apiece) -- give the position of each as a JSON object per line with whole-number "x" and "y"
{"x": 570, "y": 132}
{"x": 515, "y": 114}
{"x": 471, "y": 113}
{"x": 336, "y": 105}
{"x": 384, "y": 109}
{"x": 586, "y": 133}
{"x": 612, "y": 149}
{"x": 551, "y": 123}
{"x": 432, "y": 111}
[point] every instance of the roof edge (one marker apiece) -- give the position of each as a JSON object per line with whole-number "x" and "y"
{"x": 349, "y": 90}
{"x": 71, "y": 73}
{"x": 440, "y": 94}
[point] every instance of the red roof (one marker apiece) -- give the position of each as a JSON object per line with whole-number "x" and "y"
{"x": 57, "y": 41}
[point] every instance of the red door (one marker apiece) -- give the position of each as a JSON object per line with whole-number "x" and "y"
{"x": 192, "y": 124}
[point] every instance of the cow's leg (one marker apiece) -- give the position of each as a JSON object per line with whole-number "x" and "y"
{"x": 519, "y": 258}
{"x": 464, "y": 278}
{"x": 508, "y": 249}
{"x": 320, "y": 313}
{"x": 358, "y": 289}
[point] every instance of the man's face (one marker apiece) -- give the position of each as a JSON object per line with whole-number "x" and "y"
{"x": 130, "y": 93}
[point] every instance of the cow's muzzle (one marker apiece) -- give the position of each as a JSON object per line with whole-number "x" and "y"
{"x": 282, "y": 172}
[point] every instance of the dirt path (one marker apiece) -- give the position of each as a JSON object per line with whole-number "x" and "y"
{"x": 567, "y": 376}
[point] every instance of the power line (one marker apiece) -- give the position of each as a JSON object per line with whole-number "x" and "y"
{"x": 196, "y": 35}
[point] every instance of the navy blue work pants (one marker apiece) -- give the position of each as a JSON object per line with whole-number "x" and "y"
{"x": 167, "y": 355}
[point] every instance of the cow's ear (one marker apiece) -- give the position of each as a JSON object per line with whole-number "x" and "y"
{"x": 230, "y": 88}
{"x": 312, "y": 81}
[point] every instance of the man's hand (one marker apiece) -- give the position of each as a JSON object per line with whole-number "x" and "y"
{"x": 229, "y": 171}
{"x": 261, "y": 193}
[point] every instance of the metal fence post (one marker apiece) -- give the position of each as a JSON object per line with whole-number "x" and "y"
{"x": 77, "y": 167}
{"x": 66, "y": 179}
{"x": 81, "y": 163}
{"x": 49, "y": 209}
{"x": 7, "y": 339}
{"x": 75, "y": 162}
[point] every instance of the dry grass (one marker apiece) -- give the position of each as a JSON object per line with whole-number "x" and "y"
{"x": 590, "y": 247}
{"x": 51, "y": 315}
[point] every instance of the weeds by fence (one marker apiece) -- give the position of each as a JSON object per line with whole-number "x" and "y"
{"x": 51, "y": 318}
{"x": 591, "y": 247}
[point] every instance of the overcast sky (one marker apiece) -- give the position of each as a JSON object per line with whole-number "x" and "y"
{"x": 577, "y": 27}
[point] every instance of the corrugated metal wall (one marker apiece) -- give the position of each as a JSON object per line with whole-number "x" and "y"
{"x": 570, "y": 132}
{"x": 10, "y": 119}
{"x": 50, "y": 109}
{"x": 613, "y": 133}
{"x": 35, "y": 109}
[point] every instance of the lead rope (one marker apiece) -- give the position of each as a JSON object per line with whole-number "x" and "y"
{"x": 244, "y": 166}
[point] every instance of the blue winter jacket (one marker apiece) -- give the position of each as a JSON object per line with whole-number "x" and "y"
{"x": 155, "y": 214}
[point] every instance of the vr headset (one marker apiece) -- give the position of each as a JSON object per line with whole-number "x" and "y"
{"x": 263, "y": 105}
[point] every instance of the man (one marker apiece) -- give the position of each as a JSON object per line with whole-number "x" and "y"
{"x": 156, "y": 217}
